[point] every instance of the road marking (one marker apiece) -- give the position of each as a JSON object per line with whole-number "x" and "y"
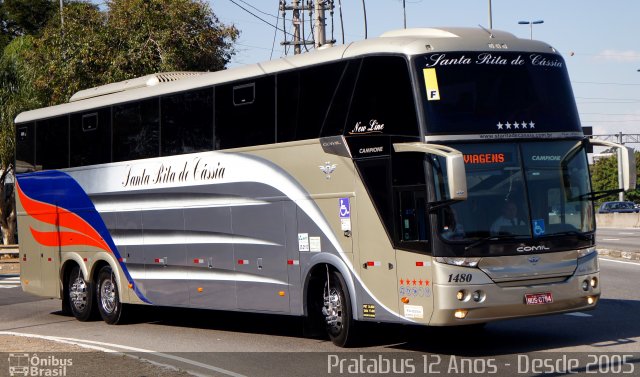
{"x": 626, "y": 234}
{"x": 618, "y": 261}
{"x": 611, "y": 239}
{"x": 81, "y": 343}
{"x": 579, "y": 314}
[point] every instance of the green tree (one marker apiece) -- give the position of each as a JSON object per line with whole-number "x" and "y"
{"x": 130, "y": 38}
{"x": 163, "y": 35}
{"x": 22, "y": 17}
{"x": 16, "y": 95}
{"x": 604, "y": 176}
{"x": 65, "y": 60}
{"x": 45, "y": 62}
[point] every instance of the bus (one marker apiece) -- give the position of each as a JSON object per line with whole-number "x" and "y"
{"x": 425, "y": 177}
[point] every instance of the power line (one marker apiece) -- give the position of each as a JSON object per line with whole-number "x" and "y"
{"x": 275, "y": 32}
{"x": 259, "y": 10}
{"x": 258, "y": 17}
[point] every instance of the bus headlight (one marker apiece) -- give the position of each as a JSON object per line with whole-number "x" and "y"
{"x": 462, "y": 262}
{"x": 584, "y": 252}
{"x": 587, "y": 261}
{"x": 594, "y": 282}
{"x": 478, "y": 296}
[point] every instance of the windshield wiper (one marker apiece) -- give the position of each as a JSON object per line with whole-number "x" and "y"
{"x": 595, "y": 195}
{"x": 491, "y": 238}
{"x": 580, "y": 235}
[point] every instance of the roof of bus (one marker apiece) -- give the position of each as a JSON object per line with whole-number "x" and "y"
{"x": 407, "y": 42}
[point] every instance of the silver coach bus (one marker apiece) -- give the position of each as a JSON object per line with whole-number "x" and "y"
{"x": 428, "y": 176}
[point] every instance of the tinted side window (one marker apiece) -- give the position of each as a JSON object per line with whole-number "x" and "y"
{"x": 376, "y": 175}
{"x": 91, "y": 137}
{"x": 335, "y": 121}
{"x": 245, "y": 113}
{"x": 383, "y": 100}
{"x": 303, "y": 100}
{"x": 136, "y": 130}
{"x": 25, "y": 148}
{"x": 187, "y": 122}
{"x": 52, "y": 143}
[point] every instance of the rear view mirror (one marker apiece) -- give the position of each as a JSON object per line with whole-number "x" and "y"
{"x": 456, "y": 175}
{"x": 628, "y": 163}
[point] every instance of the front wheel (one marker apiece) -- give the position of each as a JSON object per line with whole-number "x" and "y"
{"x": 337, "y": 310}
{"x": 108, "y": 297}
{"x": 80, "y": 295}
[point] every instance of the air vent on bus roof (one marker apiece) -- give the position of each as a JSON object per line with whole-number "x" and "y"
{"x": 138, "y": 82}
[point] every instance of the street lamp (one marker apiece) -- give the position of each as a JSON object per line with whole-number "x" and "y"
{"x": 531, "y": 23}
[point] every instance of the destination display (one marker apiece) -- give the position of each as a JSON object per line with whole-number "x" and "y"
{"x": 501, "y": 94}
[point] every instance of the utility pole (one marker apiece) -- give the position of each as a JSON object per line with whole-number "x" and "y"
{"x": 298, "y": 38}
{"x": 490, "y": 17}
{"x": 321, "y": 36}
{"x": 318, "y": 9}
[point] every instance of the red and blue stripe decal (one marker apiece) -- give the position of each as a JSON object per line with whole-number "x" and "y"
{"x": 54, "y": 198}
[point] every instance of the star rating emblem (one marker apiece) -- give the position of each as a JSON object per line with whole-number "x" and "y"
{"x": 500, "y": 125}
{"x": 531, "y": 124}
{"x": 508, "y": 125}
{"x": 524, "y": 125}
{"x": 516, "y": 125}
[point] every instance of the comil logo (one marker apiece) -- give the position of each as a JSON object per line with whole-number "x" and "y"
{"x": 23, "y": 364}
{"x": 532, "y": 248}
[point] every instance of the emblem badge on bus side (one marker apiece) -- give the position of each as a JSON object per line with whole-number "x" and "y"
{"x": 533, "y": 259}
{"x": 328, "y": 168}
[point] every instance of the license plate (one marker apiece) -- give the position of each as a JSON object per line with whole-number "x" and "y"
{"x": 538, "y": 298}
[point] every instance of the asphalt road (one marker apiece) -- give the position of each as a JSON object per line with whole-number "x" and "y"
{"x": 618, "y": 239}
{"x": 218, "y": 343}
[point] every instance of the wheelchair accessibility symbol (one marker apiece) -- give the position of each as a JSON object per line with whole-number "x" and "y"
{"x": 345, "y": 208}
{"x": 538, "y": 227}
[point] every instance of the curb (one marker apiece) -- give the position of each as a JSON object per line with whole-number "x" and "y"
{"x": 626, "y": 255}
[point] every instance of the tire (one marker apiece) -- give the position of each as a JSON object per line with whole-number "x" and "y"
{"x": 108, "y": 296}
{"x": 80, "y": 293}
{"x": 337, "y": 311}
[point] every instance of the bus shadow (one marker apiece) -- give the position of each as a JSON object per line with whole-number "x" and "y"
{"x": 267, "y": 324}
{"x": 603, "y": 328}
{"x": 607, "y": 326}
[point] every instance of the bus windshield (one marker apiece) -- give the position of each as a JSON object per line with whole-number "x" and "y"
{"x": 497, "y": 93}
{"x": 521, "y": 190}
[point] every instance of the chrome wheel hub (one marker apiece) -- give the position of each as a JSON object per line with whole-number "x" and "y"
{"x": 108, "y": 295}
{"x": 78, "y": 293}
{"x": 332, "y": 310}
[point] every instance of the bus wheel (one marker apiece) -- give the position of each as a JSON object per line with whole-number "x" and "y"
{"x": 337, "y": 310}
{"x": 80, "y": 295}
{"x": 108, "y": 297}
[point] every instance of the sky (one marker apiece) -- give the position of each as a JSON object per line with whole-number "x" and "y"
{"x": 600, "y": 41}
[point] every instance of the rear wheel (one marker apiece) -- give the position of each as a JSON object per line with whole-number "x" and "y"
{"x": 337, "y": 310}
{"x": 108, "y": 297}
{"x": 80, "y": 295}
